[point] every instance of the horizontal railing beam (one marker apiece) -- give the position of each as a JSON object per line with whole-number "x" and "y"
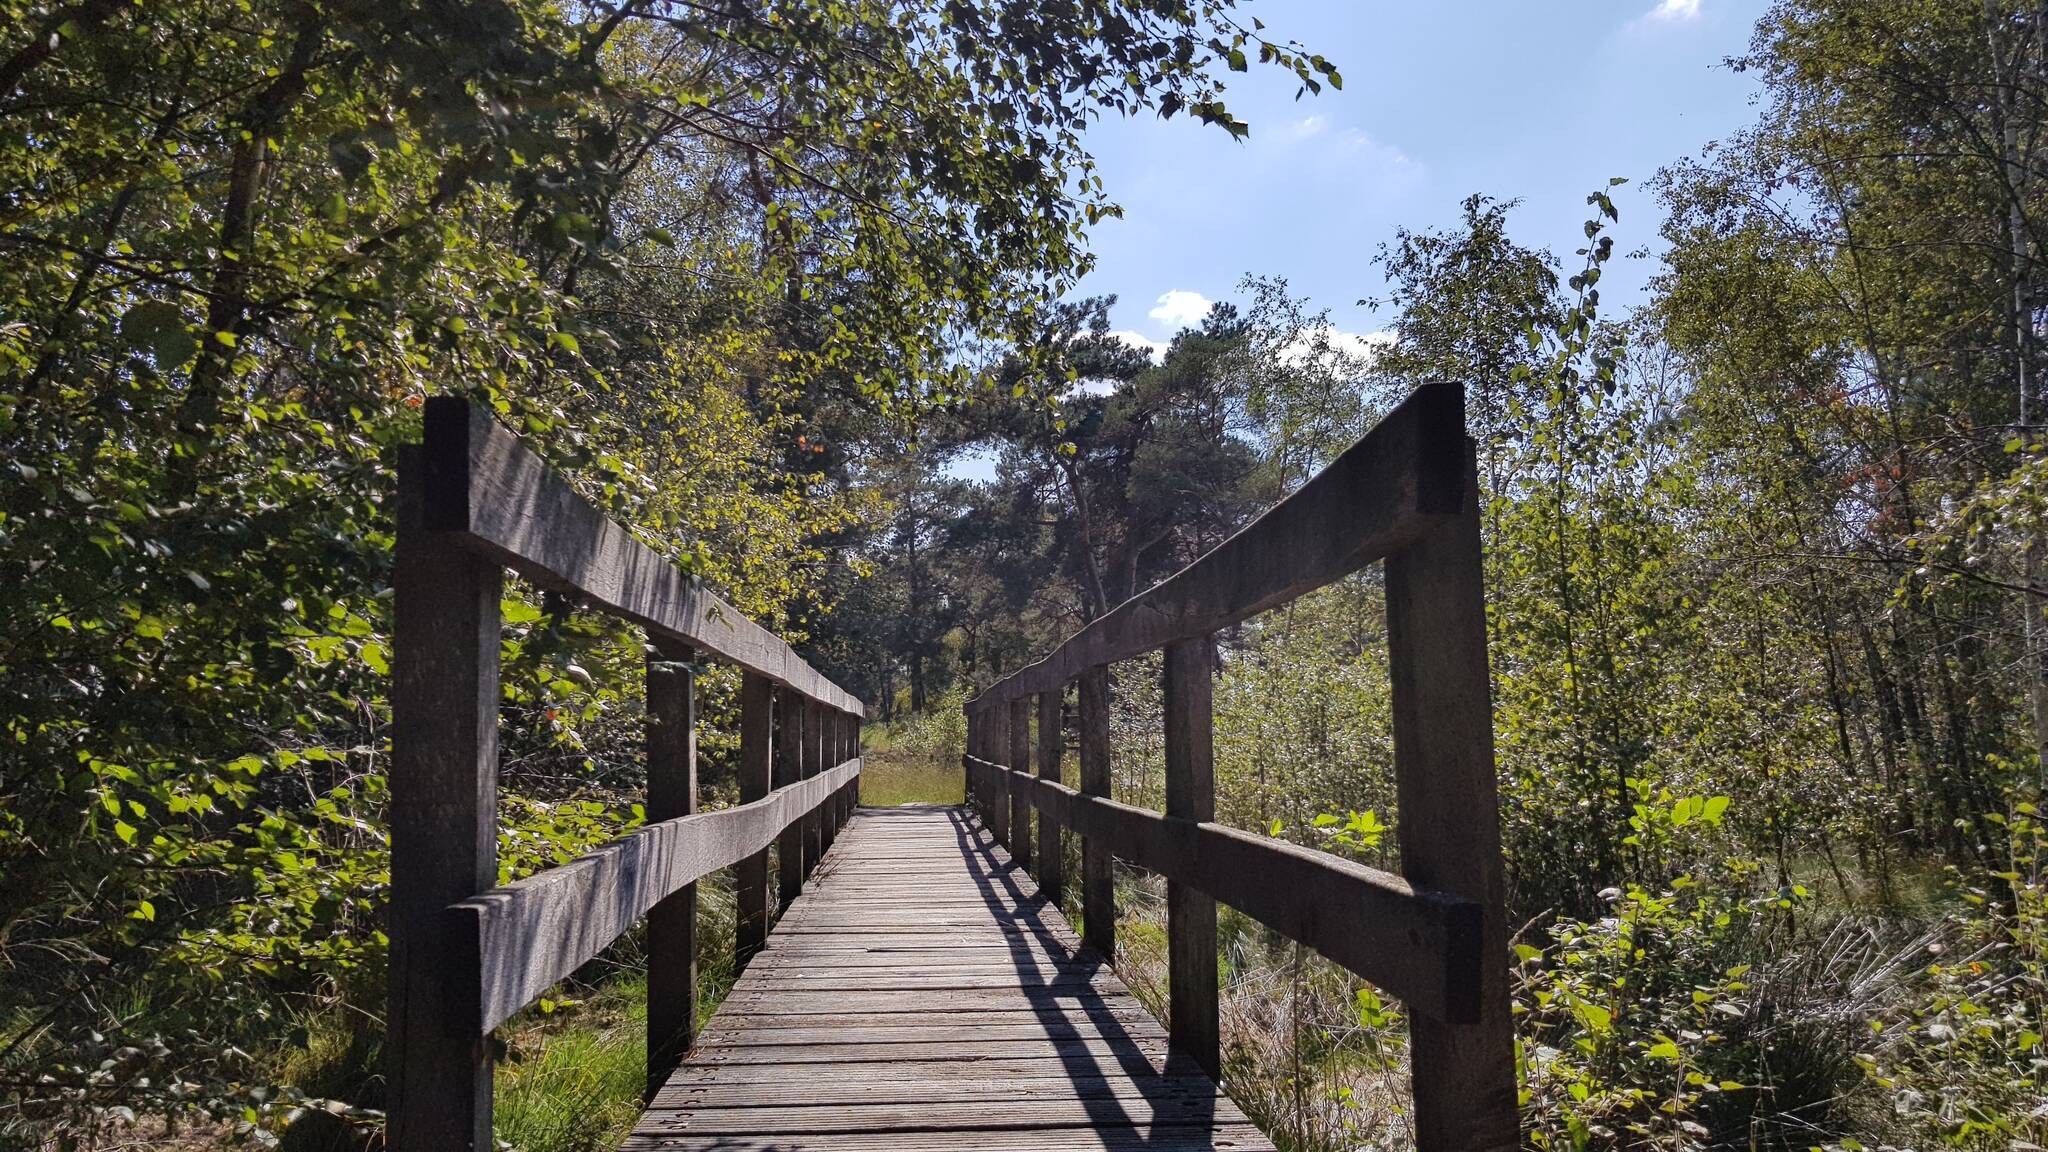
{"x": 531, "y": 934}
{"x": 495, "y": 494}
{"x": 1424, "y": 947}
{"x": 1405, "y": 477}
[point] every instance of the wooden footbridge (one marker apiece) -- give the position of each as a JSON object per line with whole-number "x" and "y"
{"x": 919, "y": 988}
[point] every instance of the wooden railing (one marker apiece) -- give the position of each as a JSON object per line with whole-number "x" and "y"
{"x": 465, "y": 954}
{"x": 1434, "y": 936}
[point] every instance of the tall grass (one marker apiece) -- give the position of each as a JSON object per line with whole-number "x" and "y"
{"x": 573, "y": 1078}
{"x": 915, "y": 760}
{"x": 891, "y": 779}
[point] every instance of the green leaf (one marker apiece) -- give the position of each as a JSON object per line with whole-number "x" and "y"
{"x": 158, "y": 328}
{"x": 1593, "y": 1017}
{"x": 125, "y": 831}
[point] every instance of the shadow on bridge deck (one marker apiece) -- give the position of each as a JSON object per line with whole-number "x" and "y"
{"x": 922, "y": 995}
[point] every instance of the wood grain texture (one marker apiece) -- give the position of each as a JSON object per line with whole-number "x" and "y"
{"x": 1464, "y": 1071}
{"x": 1191, "y": 796}
{"x": 757, "y": 752}
{"x": 1398, "y": 482}
{"x": 789, "y": 769}
{"x": 995, "y": 725}
{"x": 444, "y": 836}
{"x": 1052, "y": 745}
{"x": 533, "y": 933}
{"x": 1019, "y": 757}
{"x": 813, "y": 821}
{"x": 922, "y": 994}
{"x": 494, "y": 493}
{"x": 1418, "y": 944}
{"x": 672, "y": 922}
{"x": 1098, "y": 877}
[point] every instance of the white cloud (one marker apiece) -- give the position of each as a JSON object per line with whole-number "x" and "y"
{"x": 1306, "y": 127}
{"x": 1674, "y": 12}
{"x": 1388, "y": 159}
{"x": 1140, "y": 341}
{"x": 1180, "y": 308}
{"x": 1360, "y": 345}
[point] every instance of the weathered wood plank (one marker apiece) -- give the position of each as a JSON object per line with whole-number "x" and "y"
{"x": 495, "y": 493}
{"x": 937, "y": 1071}
{"x": 533, "y": 933}
{"x": 672, "y": 922}
{"x": 1088, "y": 1010}
{"x": 1191, "y": 796}
{"x": 996, "y": 732}
{"x": 1420, "y": 945}
{"x": 1098, "y": 877}
{"x": 757, "y": 750}
{"x": 1052, "y": 745}
{"x": 444, "y": 840}
{"x": 815, "y": 722}
{"x": 864, "y": 1115}
{"x": 791, "y": 715}
{"x": 1464, "y": 1071}
{"x": 1157, "y": 1138}
{"x": 870, "y": 1024}
{"x": 1019, "y": 841}
{"x": 1383, "y": 493}
{"x": 988, "y": 1091}
{"x": 936, "y": 999}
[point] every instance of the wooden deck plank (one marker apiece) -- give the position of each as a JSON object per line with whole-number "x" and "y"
{"x": 921, "y": 995}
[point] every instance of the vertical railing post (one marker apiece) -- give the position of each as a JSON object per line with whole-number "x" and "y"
{"x": 789, "y": 768}
{"x": 671, "y": 924}
{"x": 976, "y": 781}
{"x": 1191, "y": 795}
{"x": 1019, "y": 760}
{"x": 814, "y": 752}
{"x": 841, "y": 725}
{"x": 1052, "y": 742}
{"x": 849, "y": 729}
{"x": 1463, "y": 1074}
{"x": 968, "y": 788}
{"x": 1098, "y": 881}
{"x": 995, "y": 730}
{"x": 828, "y": 812}
{"x": 757, "y": 746}
{"x": 858, "y": 721}
{"x": 444, "y": 839}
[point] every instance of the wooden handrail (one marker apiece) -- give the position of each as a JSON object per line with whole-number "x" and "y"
{"x": 535, "y": 932}
{"x": 1421, "y": 946}
{"x": 1406, "y": 493}
{"x": 1402, "y": 480}
{"x": 495, "y": 494}
{"x": 472, "y": 502}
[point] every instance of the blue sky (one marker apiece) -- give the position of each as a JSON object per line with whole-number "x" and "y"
{"x": 1536, "y": 100}
{"x": 1540, "y": 100}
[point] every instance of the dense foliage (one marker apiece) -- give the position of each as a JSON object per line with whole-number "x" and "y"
{"x": 1764, "y": 556}
{"x": 1766, "y": 610}
{"x": 707, "y": 256}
